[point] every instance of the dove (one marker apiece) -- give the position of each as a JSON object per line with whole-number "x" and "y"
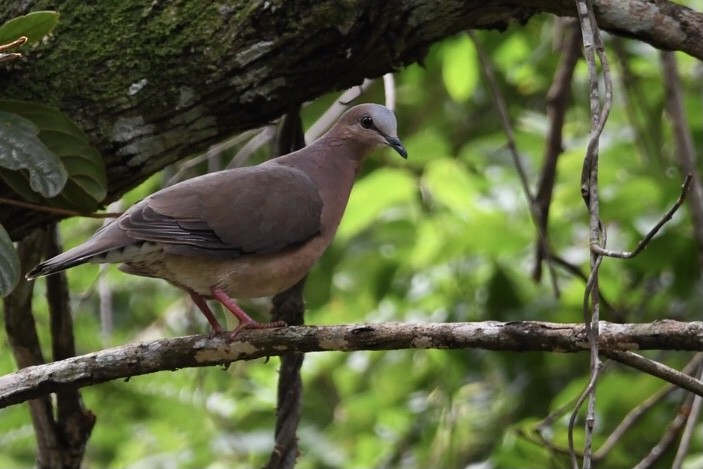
{"x": 247, "y": 232}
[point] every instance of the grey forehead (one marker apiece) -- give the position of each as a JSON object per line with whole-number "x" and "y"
{"x": 384, "y": 119}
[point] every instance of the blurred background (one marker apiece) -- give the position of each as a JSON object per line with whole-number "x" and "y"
{"x": 445, "y": 236}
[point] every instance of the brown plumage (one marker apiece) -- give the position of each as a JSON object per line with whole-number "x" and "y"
{"x": 245, "y": 232}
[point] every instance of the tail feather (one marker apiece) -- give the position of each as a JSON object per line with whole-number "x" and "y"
{"x": 71, "y": 258}
{"x": 93, "y": 250}
{"x": 55, "y": 265}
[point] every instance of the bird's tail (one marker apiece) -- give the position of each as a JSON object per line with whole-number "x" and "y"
{"x": 73, "y": 257}
{"x": 104, "y": 246}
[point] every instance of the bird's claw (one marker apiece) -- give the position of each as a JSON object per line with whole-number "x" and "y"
{"x": 255, "y": 325}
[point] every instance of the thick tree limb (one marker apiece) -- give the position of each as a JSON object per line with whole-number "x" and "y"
{"x": 165, "y": 80}
{"x": 197, "y": 351}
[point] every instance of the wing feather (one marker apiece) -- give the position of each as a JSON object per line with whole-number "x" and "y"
{"x": 262, "y": 209}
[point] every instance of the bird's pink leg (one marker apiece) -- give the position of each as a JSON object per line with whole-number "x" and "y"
{"x": 205, "y": 309}
{"x": 245, "y": 321}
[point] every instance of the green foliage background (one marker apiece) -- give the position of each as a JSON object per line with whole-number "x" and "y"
{"x": 445, "y": 236}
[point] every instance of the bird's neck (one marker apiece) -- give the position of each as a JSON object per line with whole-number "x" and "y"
{"x": 332, "y": 165}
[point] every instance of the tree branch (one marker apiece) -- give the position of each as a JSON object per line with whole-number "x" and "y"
{"x": 201, "y": 350}
{"x": 209, "y": 70}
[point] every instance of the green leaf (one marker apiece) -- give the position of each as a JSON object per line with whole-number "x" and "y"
{"x": 83, "y": 162}
{"x": 460, "y": 68}
{"x": 9, "y": 264}
{"x": 450, "y": 183}
{"x": 427, "y": 146}
{"x": 514, "y": 58}
{"x": 34, "y": 25}
{"x": 87, "y": 183}
{"x": 372, "y": 195}
{"x": 19, "y": 182}
{"x": 21, "y": 149}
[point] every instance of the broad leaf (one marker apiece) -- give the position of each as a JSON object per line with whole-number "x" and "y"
{"x": 21, "y": 149}
{"x": 34, "y": 26}
{"x": 9, "y": 264}
{"x": 86, "y": 185}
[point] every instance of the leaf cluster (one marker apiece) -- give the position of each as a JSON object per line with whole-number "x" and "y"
{"x": 44, "y": 157}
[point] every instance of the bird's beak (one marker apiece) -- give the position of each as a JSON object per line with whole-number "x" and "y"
{"x": 397, "y": 145}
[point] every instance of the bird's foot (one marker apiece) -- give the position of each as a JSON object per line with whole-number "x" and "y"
{"x": 255, "y": 325}
{"x": 214, "y": 332}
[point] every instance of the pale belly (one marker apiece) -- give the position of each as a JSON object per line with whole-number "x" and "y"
{"x": 243, "y": 277}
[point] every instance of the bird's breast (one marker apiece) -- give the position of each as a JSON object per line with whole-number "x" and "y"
{"x": 248, "y": 276}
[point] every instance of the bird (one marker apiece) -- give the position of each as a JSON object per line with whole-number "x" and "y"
{"x": 246, "y": 232}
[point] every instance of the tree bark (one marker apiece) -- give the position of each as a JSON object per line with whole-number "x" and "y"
{"x": 152, "y": 83}
{"x": 196, "y": 351}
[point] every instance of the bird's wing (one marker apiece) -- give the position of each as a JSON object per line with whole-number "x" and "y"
{"x": 255, "y": 210}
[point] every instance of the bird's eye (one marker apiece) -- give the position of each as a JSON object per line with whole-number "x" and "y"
{"x": 366, "y": 122}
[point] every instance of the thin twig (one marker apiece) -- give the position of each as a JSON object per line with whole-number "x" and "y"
{"x": 592, "y": 45}
{"x": 668, "y": 437}
{"x": 61, "y": 212}
{"x": 11, "y": 45}
{"x": 591, "y": 38}
{"x": 268, "y": 133}
{"x": 591, "y": 304}
{"x": 572, "y": 420}
{"x": 691, "y": 423}
{"x": 657, "y": 369}
{"x": 24, "y": 343}
{"x": 558, "y": 98}
{"x": 389, "y": 90}
{"x": 6, "y": 57}
{"x": 685, "y": 151}
{"x": 74, "y": 422}
{"x": 555, "y": 415}
{"x": 265, "y": 136}
{"x": 331, "y": 115}
{"x": 687, "y": 160}
{"x": 288, "y": 306}
{"x": 645, "y": 241}
{"x": 539, "y": 439}
{"x": 487, "y": 68}
{"x": 214, "y": 150}
{"x": 635, "y": 414}
{"x": 489, "y": 73}
{"x": 643, "y": 119}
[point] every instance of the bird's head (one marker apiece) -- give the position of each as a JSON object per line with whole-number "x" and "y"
{"x": 372, "y": 125}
